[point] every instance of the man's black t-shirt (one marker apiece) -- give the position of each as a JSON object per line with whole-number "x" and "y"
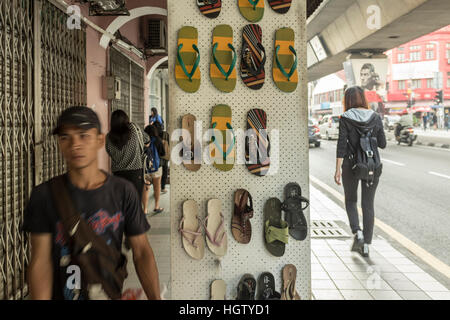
{"x": 111, "y": 210}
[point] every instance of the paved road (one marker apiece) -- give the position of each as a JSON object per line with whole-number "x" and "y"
{"x": 413, "y": 196}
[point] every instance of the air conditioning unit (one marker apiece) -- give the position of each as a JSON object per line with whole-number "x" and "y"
{"x": 155, "y": 37}
{"x": 111, "y": 88}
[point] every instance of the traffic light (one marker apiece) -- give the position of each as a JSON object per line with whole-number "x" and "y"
{"x": 439, "y": 97}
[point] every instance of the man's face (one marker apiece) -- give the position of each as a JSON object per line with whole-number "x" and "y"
{"x": 80, "y": 146}
{"x": 365, "y": 76}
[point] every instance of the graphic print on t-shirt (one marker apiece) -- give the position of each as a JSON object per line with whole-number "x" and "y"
{"x": 103, "y": 224}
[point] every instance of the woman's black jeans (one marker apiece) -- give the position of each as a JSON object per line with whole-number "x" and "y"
{"x": 367, "y": 202}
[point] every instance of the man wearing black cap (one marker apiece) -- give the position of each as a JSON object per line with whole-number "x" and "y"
{"x": 110, "y": 205}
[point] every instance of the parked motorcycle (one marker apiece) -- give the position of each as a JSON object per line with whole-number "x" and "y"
{"x": 406, "y": 135}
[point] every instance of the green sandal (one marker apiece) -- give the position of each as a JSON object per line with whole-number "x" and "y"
{"x": 285, "y": 74}
{"x": 224, "y": 57}
{"x": 188, "y": 57}
{"x": 276, "y": 230}
{"x": 252, "y": 10}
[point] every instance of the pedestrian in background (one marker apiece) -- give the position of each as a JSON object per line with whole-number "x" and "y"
{"x": 447, "y": 121}
{"x": 165, "y": 138}
{"x": 154, "y": 178}
{"x": 357, "y": 116}
{"x": 123, "y": 145}
{"x": 155, "y": 117}
{"x": 424, "y": 119}
{"x": 435, "y": 121}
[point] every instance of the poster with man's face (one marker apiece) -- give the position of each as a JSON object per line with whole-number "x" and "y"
{"x": 370, "y": 74}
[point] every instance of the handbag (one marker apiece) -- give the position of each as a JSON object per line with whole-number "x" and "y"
{"x": 103, "y": 267}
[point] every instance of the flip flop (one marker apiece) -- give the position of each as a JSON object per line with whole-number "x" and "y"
{"x": 293, "y": 208}
{"x": 210, "y": 8}
{"x": 223, "y": 62}
{"x": 257, "y": 141}
{"x": 191, "y": 154}
{"x": 246, "y": 288}
{"x": 190, "y": 229}
{"x": 187, "y": 71}
{"x": 280, "y": 6}
{"x": 216, "y": 236}
{"x": 289, "y": 277}
{"x": 252, "y": 10}
{"x": 285, "y": 72}
{"x": 223, "y": 150}
{"x": 253, "y": 57}
{"x": 218, "y": 290}
{"x": 266, "y": 287}
{"x": 243, "y": 212}
{"x": 276, "y": 230}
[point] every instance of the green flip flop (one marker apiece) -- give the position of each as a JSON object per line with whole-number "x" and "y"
{"x": 252, "y": 10}
{"x": 222, "y": 152}
{"x": 285, "y": 74}
{"x": 224, "y": 57}
{"x": 187, "y": 71}
{"x": 276, "y": 230}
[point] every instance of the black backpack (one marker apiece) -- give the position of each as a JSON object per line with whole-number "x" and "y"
{"x": 366, "y": 161}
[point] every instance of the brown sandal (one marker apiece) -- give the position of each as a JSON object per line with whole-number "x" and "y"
{"x": 240, "y": 223}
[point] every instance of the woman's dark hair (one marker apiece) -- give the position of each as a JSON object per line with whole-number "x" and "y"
{"x": 154, "y": 111}
{"x": 355, "y": 98}
{"x": 120, "y": 128}
{"x": 151, "y": 130}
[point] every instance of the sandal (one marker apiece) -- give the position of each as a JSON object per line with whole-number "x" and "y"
{"x": 293, "y": 208}
{"x": 253, "y": 57}
{"x": 257, "y": 141}
{"x": 252, "y": 10}
{"x": 218, "y": 290}
{"x": 188, "y": 57}
{"x": 280, "y": 6}
{"x": 246, "y": 288}
{"x": 240, "y": 223}
{"x": 210, "y": 8}
{"x": 191, "y": 151}
{"x": 190, "y": 229}
{"x": 266, "y": 287}
{"x": 289, "y": 277}
{"x": 276, "y": 229}
{"x": 223, "y": 140}
{"x": 216, "y": 236}
{"x": 284, "y": 70}
{"x": 224, "y": 57}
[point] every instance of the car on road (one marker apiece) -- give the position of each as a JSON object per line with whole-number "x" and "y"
{"x": 329, "y": 127}
{"x": 314, "y": 134}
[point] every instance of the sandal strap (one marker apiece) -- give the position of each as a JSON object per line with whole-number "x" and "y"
{"x": 233, "y": 142}
{"x": 184, "y": 232}
{"x": 273, "y": 233}
{"x": 253, "y": 71}
{"x": 219, "y": 66}
{"x": 294, "y": 65}
{"x": 183, "y": 65}
{"x": 254, "y": 3}
{"x": 216, "y": 240}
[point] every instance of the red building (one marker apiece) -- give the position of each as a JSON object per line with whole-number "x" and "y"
{"x": 412, "y": 69}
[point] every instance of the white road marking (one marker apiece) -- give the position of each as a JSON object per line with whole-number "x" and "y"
{"x": 393, "y": 162}
{"x": 421, "y": 253}
{"x": 439, "y": 175}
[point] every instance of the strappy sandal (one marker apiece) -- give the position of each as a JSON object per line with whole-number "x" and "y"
{"x": 246, "y": 288}
{"x": 293, "y": 206}
{"x": 240, "y": 223}
{"x": 266, "y": 287}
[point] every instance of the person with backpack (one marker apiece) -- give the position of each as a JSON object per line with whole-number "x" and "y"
{"x": 153, "y": 168}
{"x": 165, "y": 138}
{"x": 77, "y": 222}
{"x": 125, "y": 144}
{"x": 155, "y": 117}
{"x": 361, "y": 133}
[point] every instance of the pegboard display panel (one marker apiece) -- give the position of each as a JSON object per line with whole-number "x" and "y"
{"x": 286, "y": 112}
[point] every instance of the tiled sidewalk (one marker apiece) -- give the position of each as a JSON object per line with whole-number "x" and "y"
{"x": 339, "y": 274}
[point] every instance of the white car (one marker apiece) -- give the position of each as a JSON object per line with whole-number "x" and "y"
{"x": 329, "y": 127}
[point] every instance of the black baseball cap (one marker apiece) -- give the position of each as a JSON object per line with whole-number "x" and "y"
{"x": 78, "y": 116}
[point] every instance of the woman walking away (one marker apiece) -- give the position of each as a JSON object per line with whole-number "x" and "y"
{"x": 357, "y": 119}
{"x": 165, "y": 138}
{"x": 156, "y": 151}
{"x": 155, "y": 117}
{"x": 125, "y": 145}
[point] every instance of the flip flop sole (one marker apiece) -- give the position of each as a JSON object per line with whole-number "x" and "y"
{"x": 251, "y": 37}
{"x": 280, "y": 6}
{"x": 221, "y": 115}
{"x": 284, "y": 38}
{"x": 236, "y": 229}
{"x": 300, "y": 232}
{"x": 265, "y": 280}
{"x": 188, "y": 36}
{"x": 250, "y": 13}
{"x": 191, "y": 223}
{"x": 251, "y": 282}
{"x": 223, "y": 35}
{"x": 218, "y": 290}
{"x": 272, "y": 212}
{"x": 214, "y": 221}
{"x": 289, "y": 278}
{"x": 188, "y": 124}
{"x": 257, "y": 123}
{"x": 210, "y": 10}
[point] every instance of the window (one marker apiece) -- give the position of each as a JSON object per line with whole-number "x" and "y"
{"x": 401, "y": 57}
{"x": 414, "y": 56}
{"x": 412, "y": 48}
{"x": 430, "y": 54}
{"x": 448, "y": 51}
{"x": 416, "y": 84}
{"x": 430, "y": 46}
{"x": 430, "y": 83}
{"x": 448, "y": 79}
{"x": 401, "y": 85}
